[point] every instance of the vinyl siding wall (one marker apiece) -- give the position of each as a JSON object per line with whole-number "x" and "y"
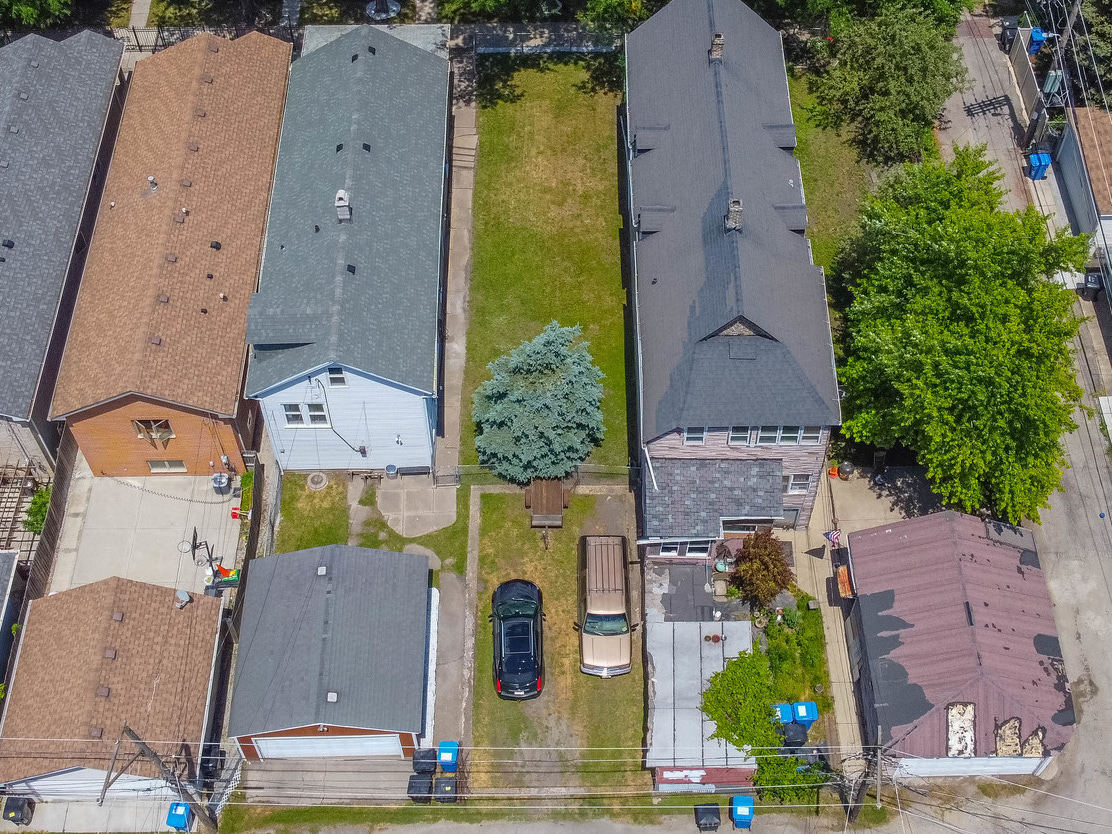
{"x": 367, "y": 411}
{"x": 108, "y": 440}
{"x": 796, "y": 460}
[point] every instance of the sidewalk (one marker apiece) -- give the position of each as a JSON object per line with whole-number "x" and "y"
{"x": 811, "y": 574}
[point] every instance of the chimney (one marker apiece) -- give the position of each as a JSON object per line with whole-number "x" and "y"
{"x": 343, "y": 206}
{"x": 733, "y": 216}
{"x": 716, "y": 45}
{"x": 181, "y": 599}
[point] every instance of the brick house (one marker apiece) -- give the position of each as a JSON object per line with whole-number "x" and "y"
{"x": 735, "y": 368}
{"x": 152, "y": 375}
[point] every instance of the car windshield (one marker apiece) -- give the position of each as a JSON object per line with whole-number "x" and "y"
{"x": 517, "y": 608}
{"x": 606, "y": 625}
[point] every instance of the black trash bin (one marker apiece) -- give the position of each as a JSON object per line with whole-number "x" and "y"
{"x": 795, "y": 735}
{"x": 445, "y": 789}
{"x": 424, "y": 760}
{"x": 420, "y": 788}
{"x": 19, "y": 809}
{"x": 708, "y": 817}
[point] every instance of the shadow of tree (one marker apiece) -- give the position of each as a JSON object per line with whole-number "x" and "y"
{"x": 907, "y": 490}
{"x": 495, "y": 83}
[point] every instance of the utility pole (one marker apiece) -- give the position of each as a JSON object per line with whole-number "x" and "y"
{"x": 186, "y": 793}
{"x": 879, "y": 771}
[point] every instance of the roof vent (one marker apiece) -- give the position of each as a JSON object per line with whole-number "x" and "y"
{"x": 322, "y": 570}
{"x": 171, "y": 259}
{"x": 181, "y": 599}
{"x": 206, "y": 79}
{"x": 153, "y": 183}
{"x": 103, "y": 691}
{"x": 343, "y": 206}
{"x": 215, "y": 244}
{"x": 163, "y": 298}
{"x": 155, "y": 340}
{"x": 733, "y": 216}
{"x": 186, "y": 183}
{"x": 34, "y": 64}
{"x": 332, "y": 697}
{"x": 717, "y": 43}
{"x": 13, "y": 129}
{"x": 199, "y": 112}
{"x": 371, "y": 49}
{"x": 9, "y": 243}
{"x": 367, "y": 147}
{"x": 355, "y": 57}
{"x": 96, "y": 732}
{"x": 339, "y": 147}
{"x": 109, "y": 653}
{"x": 23, "y": 96}
{"x": 351, "y": 268}
{"x": 214, "y": 46}
{"x": 117, "y": 616}
{"x": 194, "y": 146}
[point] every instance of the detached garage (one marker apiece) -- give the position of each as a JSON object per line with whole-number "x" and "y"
{"x": 333, "y": 655}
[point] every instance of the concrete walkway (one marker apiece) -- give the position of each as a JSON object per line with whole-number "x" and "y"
{"x": 140, "y": 11}
{"x": 813, "y": 567}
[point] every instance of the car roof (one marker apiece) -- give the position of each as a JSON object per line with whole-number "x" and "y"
{"x": 605, "y": 574}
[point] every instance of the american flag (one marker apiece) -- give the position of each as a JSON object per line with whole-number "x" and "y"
{"x": 832, "y": 536}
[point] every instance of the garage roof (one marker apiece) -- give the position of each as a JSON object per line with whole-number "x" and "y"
{"x": 346, "y": 620}
{"x": 93, "y": 657}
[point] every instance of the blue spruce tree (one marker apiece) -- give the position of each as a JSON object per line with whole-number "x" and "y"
{"x": 540, "y": 414}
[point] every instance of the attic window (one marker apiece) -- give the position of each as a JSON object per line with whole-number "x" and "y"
{"x": 339, "y": 147}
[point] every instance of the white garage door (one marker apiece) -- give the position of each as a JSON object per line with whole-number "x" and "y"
{"x": 290, "y": 747}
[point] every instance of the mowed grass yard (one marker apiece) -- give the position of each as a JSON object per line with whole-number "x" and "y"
{"x": 546, "y": 236}
{"x": 574, "y": 710}
{"x": 834, "y": 181}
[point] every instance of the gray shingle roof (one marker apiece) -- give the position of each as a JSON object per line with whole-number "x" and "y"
{"x": 388, "y": 109}
{"x": 693, "y": 496}
{"x": 361, "y": 630}
{"x": 733, "y": 326}
{"x": 54, "y": 98}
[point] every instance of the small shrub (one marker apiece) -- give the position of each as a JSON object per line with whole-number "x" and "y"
{"x": 792, "y": 618}
{"x": 35, "y": 518}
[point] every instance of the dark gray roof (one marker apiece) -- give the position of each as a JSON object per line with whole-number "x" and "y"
{"x": 389, "y": 111}
{"x": 361, "y": 631}
{"x": 54, "y": 98}
{"x": 693, "y": 496}
{"x": 733, "y": 326}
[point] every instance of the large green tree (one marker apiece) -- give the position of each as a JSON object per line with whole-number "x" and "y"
{"x": 540, "y": 414}
{"x": 887, "y": 80}
{"x": 34, "y": 12}
{"x": 958, "y": 345}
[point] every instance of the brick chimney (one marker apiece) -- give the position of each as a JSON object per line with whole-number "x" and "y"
{"x": 717, "y": 43}
{"x": 733, "y": 216}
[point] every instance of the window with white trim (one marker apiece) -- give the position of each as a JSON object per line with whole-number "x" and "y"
{"x": 739, "y": 436}
{"x": 336, "y": 378}
{"x": 789, "y": 435}
{"x": 293, "y": 414}
{"x": 163, "y": 466}
{"x": 156, "y": 432}
{"x": 317, "y": 415}
{"x": 768, "y": 435}
{"x": 699, "y": 548}
{"x": 694, "y": 435}
{"x": 669, "y": 549}
{"x": 795, "y": 484}
{"x": 812, "y": 434}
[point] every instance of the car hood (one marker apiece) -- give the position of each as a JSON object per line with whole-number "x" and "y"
{"x": 610, "y": 651}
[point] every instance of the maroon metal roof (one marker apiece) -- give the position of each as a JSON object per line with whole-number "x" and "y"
{"x": 955, "y": 609}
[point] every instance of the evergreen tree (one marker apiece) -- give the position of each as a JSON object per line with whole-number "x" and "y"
{"x": 539, "y": 415}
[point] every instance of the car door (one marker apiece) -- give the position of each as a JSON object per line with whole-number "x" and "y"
{"x": 497, "y": 639}
{"x": 539, "y": 626}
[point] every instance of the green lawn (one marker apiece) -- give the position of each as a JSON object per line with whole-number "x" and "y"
{"x": 312, "y": 519}
{"x": 449, "y": 543}
{"x": 574, "y": 710}
{"x": 834, "y": 182}
{"x": 546, "y": 238}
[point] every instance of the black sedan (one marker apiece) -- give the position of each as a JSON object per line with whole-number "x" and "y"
{"x": 518, "y": 640}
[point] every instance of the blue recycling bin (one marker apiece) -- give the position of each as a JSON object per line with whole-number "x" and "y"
{"x": 741, "y": 811}
{"x": 1038, "y": 38}
{"x": 783, "y": 713}
{"x": 805, "y": 713}
{"x": 180, "y": 817}
{"x": 1037, "y": 165}
{"x": 447, "y": 754}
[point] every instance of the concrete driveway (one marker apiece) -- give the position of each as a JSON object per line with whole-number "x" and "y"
{"x": 137, "y": 528}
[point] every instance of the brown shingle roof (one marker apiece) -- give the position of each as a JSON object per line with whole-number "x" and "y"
{"x": 955, "y": 611}
{"x": 158, "y": 681}
{"x": 1095, "y": 128}
{"x": 203, "y": 119}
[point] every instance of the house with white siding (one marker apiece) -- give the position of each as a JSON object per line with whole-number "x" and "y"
{"x": 736, "y": 383}
{"x": 345, "y": 329}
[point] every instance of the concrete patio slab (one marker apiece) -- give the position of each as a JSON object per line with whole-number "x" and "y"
{"x": 138, "y": 815}
{"x": 136, "y": 527}
{"x": 413, "y": 506}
